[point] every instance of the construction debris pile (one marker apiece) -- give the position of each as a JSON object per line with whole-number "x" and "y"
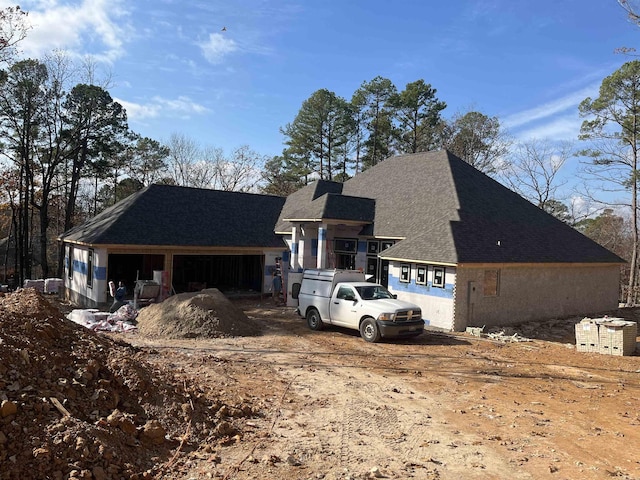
{"x": 122, "y": 320}
{"x": 76, "y": 404}
{"x": 553, "y": 329}
{"x": 207, "y": 313}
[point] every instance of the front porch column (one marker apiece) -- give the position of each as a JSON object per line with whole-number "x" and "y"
{"x": 322, "y": 246}
{"x": 295, "y": 249}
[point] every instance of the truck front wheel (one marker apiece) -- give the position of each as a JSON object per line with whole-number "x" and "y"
{"x": 369, "y": 330}
{"x": 313, "y": 319}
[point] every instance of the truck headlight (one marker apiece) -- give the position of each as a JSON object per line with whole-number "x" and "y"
{"x": 387, "y": 317}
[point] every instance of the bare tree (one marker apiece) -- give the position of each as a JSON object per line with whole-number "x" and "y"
{"x": 89, "y": 70}
{"x": 183, "y": 152}
{"x": 241, "y": 171}
{"x": 193, "y": 166}
{"x": 534, "y": 169}
{"x": 203, "y": 171}
{"x": 631, "y": 11}
{"x": 13, "y": 29}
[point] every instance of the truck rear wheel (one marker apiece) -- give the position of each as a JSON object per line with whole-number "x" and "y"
{"x": 369, "y": 330}
{"x": 313, "y": 319}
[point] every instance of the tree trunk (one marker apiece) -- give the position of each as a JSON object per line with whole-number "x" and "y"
{"x": 44, "y": 227}
{"x": 76, "y": 171}
{"x": 631, "y": 296}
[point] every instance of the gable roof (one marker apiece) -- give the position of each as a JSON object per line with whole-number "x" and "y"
{"x": 447, "y": 211}
{"x": 170, "y": 215}
{"x": 323, "y": 200}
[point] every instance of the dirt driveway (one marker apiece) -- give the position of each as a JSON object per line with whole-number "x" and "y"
{"x": 442, "y": 406}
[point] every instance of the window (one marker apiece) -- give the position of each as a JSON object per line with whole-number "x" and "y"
{"x": 372, "y": 247}
{"x": 373, "y": 292}
{"x": 345, "y": 261}
{"x": 372, "y": 267}
{"x": 438, "y": 277}
{"x": 70, "y": 263}
{"x": 405, "y": 273}
{"x": 345, "y": 250}
{"x": 491, "y": 282}
{"x": 345, "y": 293}
{"x": 421, "y": 275}
{"x": 90, "y": 269}
{"x": 385, "y": 245}
{"x": 345, "y": 245}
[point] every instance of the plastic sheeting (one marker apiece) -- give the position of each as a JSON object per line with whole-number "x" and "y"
{"x": 123, "y": 320}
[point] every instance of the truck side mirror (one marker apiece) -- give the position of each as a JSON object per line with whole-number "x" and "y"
{"x": 392, "y": 296}
{"x": 295, "y": 290}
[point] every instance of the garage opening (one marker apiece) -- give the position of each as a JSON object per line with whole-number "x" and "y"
{"x": 227, "y": 273}
{"x": 129, "y": 267}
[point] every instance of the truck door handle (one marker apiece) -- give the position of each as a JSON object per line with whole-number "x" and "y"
{"x": 337, "y": 303}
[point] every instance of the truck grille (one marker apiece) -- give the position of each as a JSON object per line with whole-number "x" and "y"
{"x": 408, "y": 315}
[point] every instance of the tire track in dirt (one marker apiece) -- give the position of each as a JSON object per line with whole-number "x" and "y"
{"x": 380, "y": 421}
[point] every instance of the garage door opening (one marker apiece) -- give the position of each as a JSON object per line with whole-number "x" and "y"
{"x": 228, "y": 273}
{"x": 128, "y": 268}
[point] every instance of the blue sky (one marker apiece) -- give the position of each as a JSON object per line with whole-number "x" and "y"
{"x": 176, "y": 71}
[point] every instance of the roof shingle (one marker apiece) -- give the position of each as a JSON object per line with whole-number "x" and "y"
{"x": 181, "y": 216}
{"x": 447, "y": 211}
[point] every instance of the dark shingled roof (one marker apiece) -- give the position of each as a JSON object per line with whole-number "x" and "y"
{"x": 450, "y": 212}
{"x": 322, "y": 199}
{"x": 181, "y": 216}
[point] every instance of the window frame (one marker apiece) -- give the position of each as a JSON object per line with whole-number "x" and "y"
{"x": 345, "y": 288}
{"x": 90, "y": 255}
{"x": 386, "y": 244}
{"x": 443, "y": 271}
{"x": 70, "y": 262}
{"x": 405, "y": 278}
{"x": 421, "y": 270}
{"x": 345, "y": 241}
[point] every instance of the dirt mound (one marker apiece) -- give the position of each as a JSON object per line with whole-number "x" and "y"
{"x": 76, "y": 404}
{"x": 207, "y": 313}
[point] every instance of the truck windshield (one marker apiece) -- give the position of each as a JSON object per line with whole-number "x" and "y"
{"x": 373, "y": 292}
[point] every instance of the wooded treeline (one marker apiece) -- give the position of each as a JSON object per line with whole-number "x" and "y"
{"x": 334, "y": 138}
{"x": 67, "y": 152}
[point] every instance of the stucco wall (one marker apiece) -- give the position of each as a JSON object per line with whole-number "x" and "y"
{"x": 534, "y": 292}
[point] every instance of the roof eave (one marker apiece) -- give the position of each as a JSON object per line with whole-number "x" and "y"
{"x": 414, "y": 260}
{"x": 331, "y": 221}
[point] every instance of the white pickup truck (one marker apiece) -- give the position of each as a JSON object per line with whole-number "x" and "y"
{"x": 343, "y": 298}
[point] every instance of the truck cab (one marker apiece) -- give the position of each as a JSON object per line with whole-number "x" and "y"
{"x": 344, "y": 298}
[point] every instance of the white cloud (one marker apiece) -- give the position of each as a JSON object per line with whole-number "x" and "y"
{"x": 182, "y": 107}
{"x": 566, "y": 127}
{"x": 550, "y": 109}
{"x": 95, "y": 27}
{"x": 138, "y": 111}
{"x": 217, "y": 47}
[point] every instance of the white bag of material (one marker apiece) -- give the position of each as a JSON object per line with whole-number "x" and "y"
{"x": 82, "y": 317}
{"x": 37, "y": 284}
{"x": 53, "y": 285}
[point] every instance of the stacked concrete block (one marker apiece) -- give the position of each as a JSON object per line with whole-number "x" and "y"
{"x": 618, "y": 337}
{"x": 587, "y": 336}
{"x": 609, "y": 336}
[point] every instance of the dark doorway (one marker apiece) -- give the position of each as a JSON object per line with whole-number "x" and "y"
{"x": 131, "y": 267}
{"x": 384, "y": 272}
{"x": 227, "y": 273}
